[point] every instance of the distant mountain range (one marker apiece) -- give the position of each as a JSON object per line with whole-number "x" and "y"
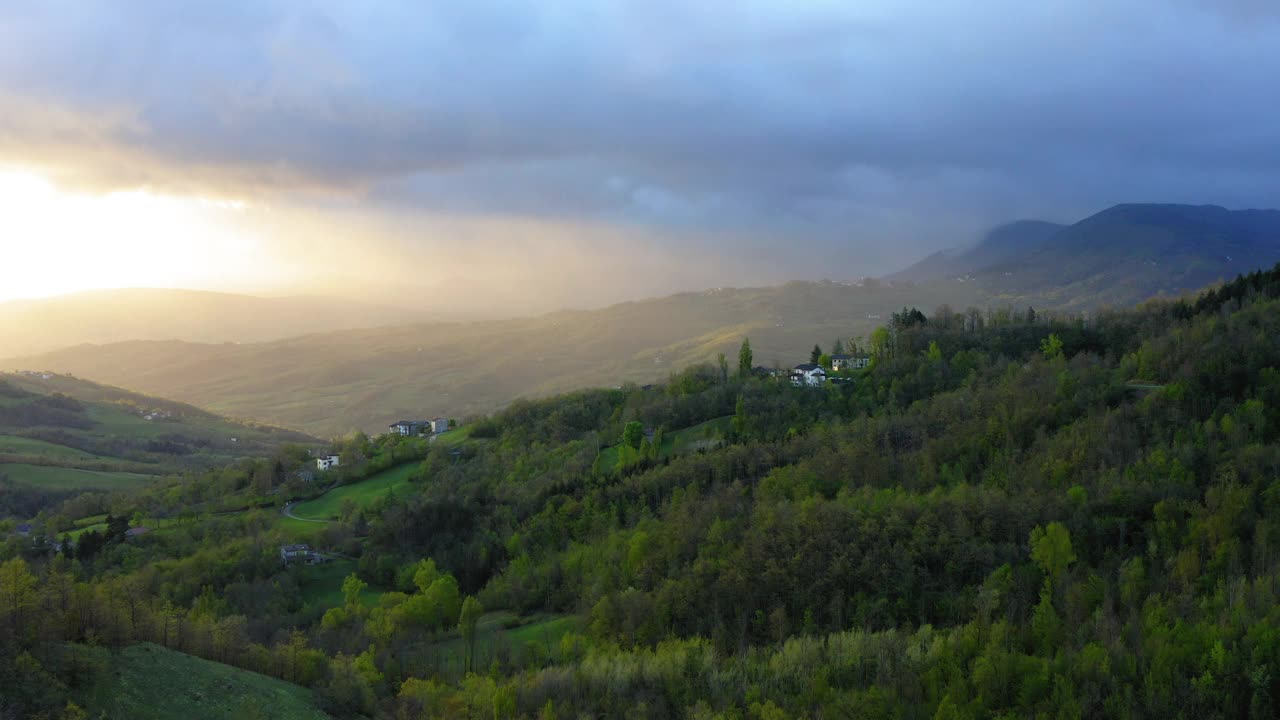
{"x": 1120, "y": 256}
{"x": 106, "y": 316}
{"x": 363, "y": 378}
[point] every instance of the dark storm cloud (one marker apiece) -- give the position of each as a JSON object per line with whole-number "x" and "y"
{"x": 844, "y": 123}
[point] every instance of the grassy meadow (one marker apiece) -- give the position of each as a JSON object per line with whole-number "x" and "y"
{"x": 149, "y": 682}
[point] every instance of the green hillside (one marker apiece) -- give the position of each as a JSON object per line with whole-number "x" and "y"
{"x": 1035, "y": 516}
{"x": 150, "y": 682}
{"x": 61, "y": 434}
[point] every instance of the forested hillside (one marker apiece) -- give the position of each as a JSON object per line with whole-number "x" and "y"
{"x": 1009, "y": 514}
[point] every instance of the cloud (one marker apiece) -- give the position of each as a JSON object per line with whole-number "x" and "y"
{"x": 873, "y": 131}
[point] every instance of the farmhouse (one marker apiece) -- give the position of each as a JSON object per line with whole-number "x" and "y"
{"x": 324, "y": 462}
{"x": 808, "y": 375}
{"x": 841, "y": 362}
{"x": 409, "y": 427}
{"x": 439, "y": 425}
{"x": 299, "y": 553}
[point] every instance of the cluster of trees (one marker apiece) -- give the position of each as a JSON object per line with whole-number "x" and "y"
{"x": 1007, "y": 515}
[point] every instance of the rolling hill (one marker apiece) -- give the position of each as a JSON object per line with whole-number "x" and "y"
{"x": 1000, "y": 245}
{"x": 333, "y": 382}
{"x": 106, "y": 316}
{"x": 1120, "y": 256}
{"x": 62, "y": 434}
{"x": 330, "y": 383}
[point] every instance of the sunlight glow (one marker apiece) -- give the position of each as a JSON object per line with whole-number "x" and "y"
{"x": 55, "y": 241}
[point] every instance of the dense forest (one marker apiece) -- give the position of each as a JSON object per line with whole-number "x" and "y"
{"x": 1008, "y": 514}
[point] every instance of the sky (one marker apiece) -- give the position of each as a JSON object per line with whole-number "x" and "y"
{"x": 521, "y": 156}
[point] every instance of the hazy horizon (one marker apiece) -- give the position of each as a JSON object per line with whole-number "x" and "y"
{"x": 513, "y": 158}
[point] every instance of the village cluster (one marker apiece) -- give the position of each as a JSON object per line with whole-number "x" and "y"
{"x": 813, "y": 374}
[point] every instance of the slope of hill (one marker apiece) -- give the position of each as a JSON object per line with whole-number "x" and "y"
{"x": 1000, "y": 245}
{"x": 105, "y": 316}
{"x": 59, "y": 433}
{"x": 1120, "y": 256}
{"x": 331, "y": 383}
{"x": 1127, "y": 253}
{"x": 149, "y": 681}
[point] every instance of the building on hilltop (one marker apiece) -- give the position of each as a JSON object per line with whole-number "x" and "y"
{"x": 808, "y": 375}
{"x": 409, "y": 428}
{"x": 841, "y": 362}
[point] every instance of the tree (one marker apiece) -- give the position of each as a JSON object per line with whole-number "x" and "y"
{"x": 837, "y": 347}
{"x": 467, "y": 619}
{"x": 815, "y": 354}
{"x": 1051, "y": 347}
{"x": 633, "y": 434}
{"x": 723, "y": 365}
{"x": 17, "y": 591}
{"x": 351, "y": 589}
{"x": 1051, "y": 550}
{"x": 744, "y": 359}
{"x": 880, "y": 341}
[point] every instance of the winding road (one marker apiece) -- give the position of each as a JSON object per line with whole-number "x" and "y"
{"x": 288, "y": 512}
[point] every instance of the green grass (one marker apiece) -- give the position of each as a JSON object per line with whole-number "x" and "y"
{"x": 301, "y": 530}
{"x": 680, "y": 442}
{"x": 149, "y": 682}
{"x": 321, "y": 585}
{"x": 492, "y": 632}
{"x": 58, "y": 478}
{"x": 75, "y": 534}
{"x": 363, "y": 493}
{"x": 12, "y": 444}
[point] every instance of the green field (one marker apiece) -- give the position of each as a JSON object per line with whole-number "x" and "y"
{"x": 12, "y": 444}
{"x": 58, "y": 478}
{"x": 495, "y": 631}
{"x": 364, "y": 492}
{"x": 322, "y": 584}
{"x": 680, "y": 442}
{"x": 149, "y": 682}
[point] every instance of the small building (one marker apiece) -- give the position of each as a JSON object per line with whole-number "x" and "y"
{"x": 290, "y": 554}
{"x": 325, "y": 462}
{"x": 409, "y": 428}
{"x": 842, "y": 362}
{"x": 439, "y": 425}
{"x": 808, "y": 375}
{"x": 136, "y": 532}
{"x": 23, "y": 530}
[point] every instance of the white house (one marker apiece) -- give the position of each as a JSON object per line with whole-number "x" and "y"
{"x": 439, "y": 425}
{"x": 848, "y": 362}
{"x": 808, "y": 375}
{"x": 324, "y": 462}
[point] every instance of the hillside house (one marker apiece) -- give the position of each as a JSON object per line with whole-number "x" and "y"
{"x": 840, "y": 362}
{"x": 439, "y": 425}
{"x": 808, "y": 375}
{"x": 325, "y": 462}
{"x": 290, "y": 554}
{"x": 409, "y": 428}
